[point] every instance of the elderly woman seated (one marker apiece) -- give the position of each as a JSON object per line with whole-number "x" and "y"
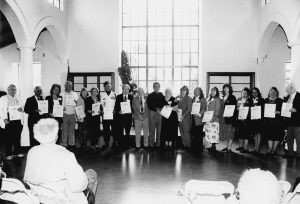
{"x": 52, "y": 171}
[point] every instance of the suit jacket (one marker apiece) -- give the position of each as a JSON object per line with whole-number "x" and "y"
{"x": 185, "y": 103}
{"x": 197, "y": 119}
{"x": 30, "y": 108}
{"x": 51, "y": 103}
{"x": 136, "y": 107}
{"x": 295, "y": 118}
{"x": 215, "y": 106}
{"x": 120, "y": 99}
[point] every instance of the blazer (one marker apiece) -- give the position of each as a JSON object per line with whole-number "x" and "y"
{"x": 215, "y": 106}
{"x": 295, "y": 117}
{"x": 197, "y": 119}
{"x": 185, "y": 103}
{"x": 30, "y": 108}
{"x": 136, "y": 107}
{"x": 231, "y": 100}
{"x": 119, "y": 99}
{"x": 51, "y": 103}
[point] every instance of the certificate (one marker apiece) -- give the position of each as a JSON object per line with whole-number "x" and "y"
{"x": 229, "y": 111}
{"x": 80, "y": 112}
{"x": 285, "y": 110}
{"x": 43, "y": 106}
{"x": 179, "y": 114}
{"x": 166, "y": 111}
{"x": 125, "y": 107}
{"x": 243, "y": 113}
{"x": 58, "y": 111}
{"x": 70, "y": 100}
{"x": 196, "y": 108}
{"x": 96, "y": 109}
{"x": 208, "y": 115}
{"x": 108, "y": 113}
{"x": 14, "y": 113}
{"x": 255, "y": 112}
{"x": 270, "y": 110}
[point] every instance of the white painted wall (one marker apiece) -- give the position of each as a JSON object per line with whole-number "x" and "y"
{"x": 272, "y": 70}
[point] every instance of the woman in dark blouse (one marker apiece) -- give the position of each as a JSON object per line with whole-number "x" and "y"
{"x": 274, "y": 128}
{"x": 243, "y": 126}
{"x": 93, "y": 122}
{"x": 169, "y": 128}
{"x": 256, "y": 125}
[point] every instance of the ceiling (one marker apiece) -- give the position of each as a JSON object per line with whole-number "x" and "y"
{"x": 6, "y": 35}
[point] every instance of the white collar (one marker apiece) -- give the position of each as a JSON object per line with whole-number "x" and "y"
{"x": 293, "y": 95}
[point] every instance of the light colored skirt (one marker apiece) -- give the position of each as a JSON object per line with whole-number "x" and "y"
{"x": 212, "y": 131}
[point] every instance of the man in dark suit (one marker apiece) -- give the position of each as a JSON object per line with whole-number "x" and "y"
{"x": 293, "y": 123}
{"x": 34, "y": 115}
{"x": 123, "y": 120}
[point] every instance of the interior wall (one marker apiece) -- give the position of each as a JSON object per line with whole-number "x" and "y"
{"x": 272, "y": 71}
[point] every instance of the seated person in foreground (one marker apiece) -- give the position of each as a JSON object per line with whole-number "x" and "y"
{"x": 52, "y": 171}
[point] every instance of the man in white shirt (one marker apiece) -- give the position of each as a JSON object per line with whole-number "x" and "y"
{"x": 69, "y": 119}
{"x": 108, "y": 104}
{"x": 11, "y": 109}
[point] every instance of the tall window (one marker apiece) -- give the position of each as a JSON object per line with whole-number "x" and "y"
{"x": 288, "y": 72}
{"x": 161, "y": 38}
{"x": 58, "y": 4}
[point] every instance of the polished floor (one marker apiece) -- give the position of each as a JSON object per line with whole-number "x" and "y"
{"x": 131, "y": 177}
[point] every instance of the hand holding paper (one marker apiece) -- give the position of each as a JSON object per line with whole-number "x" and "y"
{"x": 285, "y": 110}
{"x": 125, "y": 107}
{"x": 256, "y": 113}
{"x": 166, "y": 111}
{"x": 208, "y": 115}
{"x": 229, "y": 111}
{"x": 270, "y": 110}
{"x": 243, "y": 113}
{"x": 96, "y": 109}
{"x": 196, "y": 108}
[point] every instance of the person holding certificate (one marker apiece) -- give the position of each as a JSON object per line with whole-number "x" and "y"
{"x": 93, "y": 117}
{"x": 197, "y": 124}
{"x": 55, "y": 99}
{"x": 256, "y": 125}
{"x": 169, "y": 126}
{"x": 214, "y": 104}
{"x": 185, "y": 104}
{"x": 293, "y": 123}
{"x": 34, "y": 113}
{"x": 108, "y": 103}
{"x": 274, "y": 127}
{"x": 11, "y": 114}
{"x": 243, "y": 125}
{"x": 123, "y": 120}
{"x": 81, "y": 120}
{"x": 230, "y": 120}
{"x": 69, "y": 117}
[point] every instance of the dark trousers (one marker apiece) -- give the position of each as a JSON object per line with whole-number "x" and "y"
{"x": 33, "y": 142}
{"x": 82, "y": 132}
{"x": 108, "y": 130}
{"x": 13, "y": 132}
{"x": 123, "y": 122}
{"x": 197, "y": 137}
{"x": 93, "y": 126}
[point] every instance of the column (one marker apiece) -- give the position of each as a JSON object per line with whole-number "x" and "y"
{"x": 295, "y": 63}
{"x": 26, "y": 72}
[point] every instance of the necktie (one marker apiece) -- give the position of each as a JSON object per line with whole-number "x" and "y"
{"x": 125, "y": 98}
{"x": 142, "y": 105}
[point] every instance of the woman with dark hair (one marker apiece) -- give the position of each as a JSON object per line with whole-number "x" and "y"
{"x": 197, "y": 124}
{"x": 243, "y": 125}
{"x": 185, "y": 123}
{"x": 55, "y": 99}
{"x": 274, "y": 128}
{"x": 229, "y": 122}
{"x": 93, "y": 118}
{"x": 256, "y": 125}
{"x": 82, "y": 121}
{"x": 214, "y": 104}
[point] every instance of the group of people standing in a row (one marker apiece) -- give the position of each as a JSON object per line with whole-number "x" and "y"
{"x": 118, "y": 112}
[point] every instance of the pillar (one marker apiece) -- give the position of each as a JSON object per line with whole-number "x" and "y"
{"x": 295, "y": 63}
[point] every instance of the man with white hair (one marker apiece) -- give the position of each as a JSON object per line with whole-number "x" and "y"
{"x": 52, "y": 171}
{"x": 11, "y": 109}
{"x": 293, "y": 123}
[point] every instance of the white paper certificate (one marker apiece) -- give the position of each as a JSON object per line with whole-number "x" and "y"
{"x": 285, "y": 110}
{"x": 96, "y": 109}
{"x": 70, "y": 100}
{"x": 229, "y": 111}
{"x": 108, "y": 113}
{"x": 125, "y": 107}
{"x": 166, "y": 111}
{"x": 270, "y": 110}
{"x": 43, "y": 106}
{"x": 196, "y": 108}
{"x": 243, "y": 113}
{"x": 14, "y": 114}
{"x": 80, "y": 112}
{"x": 58, "y": 111}
{"x": 208, "y": 115}
{"x": 255, "y": 112}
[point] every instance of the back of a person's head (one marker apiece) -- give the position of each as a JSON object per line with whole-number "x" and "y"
{"x": 259, "y": 186}
{"x": 45, "y": 131}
